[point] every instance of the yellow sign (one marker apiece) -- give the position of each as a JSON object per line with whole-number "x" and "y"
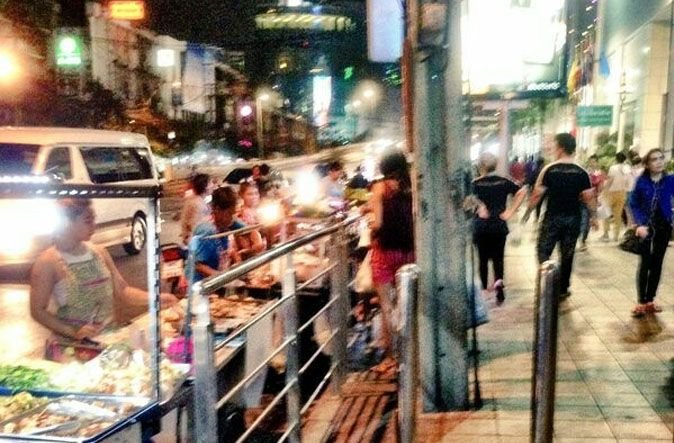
{"x": 126, "y": 10}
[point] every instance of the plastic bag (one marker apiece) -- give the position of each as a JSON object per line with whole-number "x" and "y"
{"x": 363, "y": 281}
{"x": 603, "y": 210}
{"x": 478, "y": 311}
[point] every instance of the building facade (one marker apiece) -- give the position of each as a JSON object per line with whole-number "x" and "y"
{"x": 635, "y": 71}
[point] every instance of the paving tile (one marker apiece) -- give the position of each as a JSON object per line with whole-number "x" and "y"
{"x": 451, "y": 438}
{"x": 645, "y": 431}
{"x": 575, "y": 399}
{"x": 513, "y": 428}
{"x": 626, "y": 400}
{"x": 582, "y": 429}
{"x": 508, "y": 439}
{"x": 621, "y": 413}
{"x": 585, "y": 440}
{"x": 475, "y": 427}
{"x": 632, "y": 440}
{"x": 650, "y": 376}
{"x": 611, "y": 387}
{"x": 604, "y": 374}
{"x": 578, "y": 413}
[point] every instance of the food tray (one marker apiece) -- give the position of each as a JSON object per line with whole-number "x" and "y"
{"x": 82, "y": 418}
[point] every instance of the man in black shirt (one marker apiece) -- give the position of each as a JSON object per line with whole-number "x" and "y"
{"x": 566, "y": 186}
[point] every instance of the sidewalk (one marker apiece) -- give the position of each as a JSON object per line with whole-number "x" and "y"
{"x": 615, "y": 374}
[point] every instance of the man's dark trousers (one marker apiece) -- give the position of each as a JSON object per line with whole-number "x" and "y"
{"x": 562, "y": 229}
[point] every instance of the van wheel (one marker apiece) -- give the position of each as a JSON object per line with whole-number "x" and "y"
{"x": 138, "y": 236}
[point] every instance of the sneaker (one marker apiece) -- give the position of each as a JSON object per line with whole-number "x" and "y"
{"x": 564, "y": 295}
{"x": 500, "y": 293}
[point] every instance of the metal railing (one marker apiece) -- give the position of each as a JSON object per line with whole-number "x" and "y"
{"x": 207, "y": 403}
{"x": 545, "y": 354}
{"x": 406, "y": 284}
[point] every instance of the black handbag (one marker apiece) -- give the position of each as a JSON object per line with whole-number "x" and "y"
{"x": 631, "y": 242}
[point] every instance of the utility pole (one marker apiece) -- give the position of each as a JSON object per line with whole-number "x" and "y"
{"x": 437, "y": 140}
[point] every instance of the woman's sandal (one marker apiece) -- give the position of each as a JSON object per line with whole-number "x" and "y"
{"x": 639, "y": 311}
{"x": 652, "y": 307}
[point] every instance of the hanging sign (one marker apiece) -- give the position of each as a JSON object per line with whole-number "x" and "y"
{"x": 594, "y": 115}
{"x": 126, "y": 10}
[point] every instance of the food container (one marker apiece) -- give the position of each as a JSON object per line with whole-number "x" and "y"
{"x": 75, "y": 419}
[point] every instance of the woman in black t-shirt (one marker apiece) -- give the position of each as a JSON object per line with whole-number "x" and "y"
{"x": 490, "y": 227}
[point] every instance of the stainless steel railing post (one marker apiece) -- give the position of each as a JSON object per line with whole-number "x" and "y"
{"x": 544, "y": 355}
{"x": 205, "y": 380}
{"x": 291, "y": 323}
{"x": 153, "y": 290}
{"x": 339, "y": 313}
{"x": 406, "y": 284}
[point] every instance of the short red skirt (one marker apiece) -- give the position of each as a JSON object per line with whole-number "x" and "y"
{"x": 385, "y": 263}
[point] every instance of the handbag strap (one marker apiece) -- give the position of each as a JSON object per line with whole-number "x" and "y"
{"x": 654, "y": 202}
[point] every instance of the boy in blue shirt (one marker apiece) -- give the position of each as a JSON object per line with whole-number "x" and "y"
{"x": 212, "y": 255}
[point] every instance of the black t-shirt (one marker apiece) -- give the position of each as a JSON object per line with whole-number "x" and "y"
{"x": 564, "y": 182}
{"x": 493, "y": 191}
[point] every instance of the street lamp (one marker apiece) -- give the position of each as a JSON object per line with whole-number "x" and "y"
{"x": 8, "y": 67}
{"x": 260, "y": 100}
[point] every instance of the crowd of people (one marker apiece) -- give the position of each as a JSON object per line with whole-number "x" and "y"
{"x": 631, "y": 192}
{"x": 84, "y": 284}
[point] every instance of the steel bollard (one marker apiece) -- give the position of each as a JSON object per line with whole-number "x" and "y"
{"x": 406, "y": 284}
{"x": 544, "y": 355}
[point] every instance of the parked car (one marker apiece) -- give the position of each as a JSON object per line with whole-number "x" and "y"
{"x": 78, "y": 156}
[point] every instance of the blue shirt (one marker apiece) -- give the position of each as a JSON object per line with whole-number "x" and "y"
{"x": 210, "y": 251}
{"x": 642, "y": 198}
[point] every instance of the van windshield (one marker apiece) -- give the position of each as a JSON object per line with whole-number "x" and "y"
{"x": 17, "y": 159}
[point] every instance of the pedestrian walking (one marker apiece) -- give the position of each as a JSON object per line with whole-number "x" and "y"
{"x": 618, "y": 184}
{"x": 532, "y": 176}
{"x": 195, "y": 207}
{"x": 518, "y": 171}
{"x": 651, "y": 207}
{"x": 566, "y": 187}
{"x": 490, "y": 227}
{"x": 597, "y": 181}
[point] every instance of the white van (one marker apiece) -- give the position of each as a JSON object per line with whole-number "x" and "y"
{"x": 80, "y": 156}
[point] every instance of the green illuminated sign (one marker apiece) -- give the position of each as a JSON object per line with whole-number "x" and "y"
{"x": 348, "y": 72}
{"x": 594, "y": 115}
{"x": 68, "y": 50}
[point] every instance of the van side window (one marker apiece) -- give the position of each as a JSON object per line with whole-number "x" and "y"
{"x": 58, "y": 163}
{"x": 109, "y": 164}
{"x": 17, "y": 159}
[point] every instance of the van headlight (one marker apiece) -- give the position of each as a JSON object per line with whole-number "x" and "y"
{"x": 24, "y": 220}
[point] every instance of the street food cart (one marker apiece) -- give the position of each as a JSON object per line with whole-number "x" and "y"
{"x": 137, "y": 372}
{"x": 102, "y": 391}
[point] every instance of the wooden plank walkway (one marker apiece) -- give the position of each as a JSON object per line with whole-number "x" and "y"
{"x": 367, "y": 412}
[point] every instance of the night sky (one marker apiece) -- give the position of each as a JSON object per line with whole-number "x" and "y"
{"x": 226, "y": 23}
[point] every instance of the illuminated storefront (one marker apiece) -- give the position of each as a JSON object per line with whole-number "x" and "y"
{"x": 633, "y": 68}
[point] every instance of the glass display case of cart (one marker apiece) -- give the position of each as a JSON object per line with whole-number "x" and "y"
{"x": 99, "y": 380}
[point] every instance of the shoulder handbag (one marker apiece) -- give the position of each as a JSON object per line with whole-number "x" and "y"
{"x": 631, "y": 242}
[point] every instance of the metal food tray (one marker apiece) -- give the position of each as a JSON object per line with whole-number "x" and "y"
{"x": 141, "y": 406}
